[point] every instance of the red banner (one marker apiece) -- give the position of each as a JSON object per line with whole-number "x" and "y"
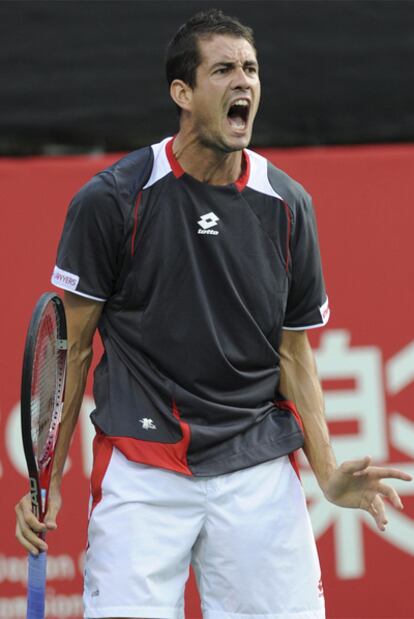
{"x": 363, "y": 201}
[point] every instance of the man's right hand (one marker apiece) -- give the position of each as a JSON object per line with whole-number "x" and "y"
{"x": 28, "y": 527}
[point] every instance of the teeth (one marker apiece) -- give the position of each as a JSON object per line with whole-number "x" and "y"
{"x": 242, "y": 102}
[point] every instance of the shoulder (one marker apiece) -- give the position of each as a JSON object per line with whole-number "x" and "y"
{"x": 140, "y": 169}
{"x": 130, "y": 173}
{"x": 267, "y": 178}
{"x": 114, "y": 187}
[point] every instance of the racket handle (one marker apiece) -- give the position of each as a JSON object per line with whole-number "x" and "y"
{"x": 36, "y": 586}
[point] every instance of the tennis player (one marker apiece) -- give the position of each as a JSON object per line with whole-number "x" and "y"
{"x": 198, "y": 262}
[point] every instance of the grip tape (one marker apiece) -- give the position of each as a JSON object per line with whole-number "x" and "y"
{"x": 36, "y": 586}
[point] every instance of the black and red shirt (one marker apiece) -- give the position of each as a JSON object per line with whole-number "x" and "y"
{"x": 198, "y": 282}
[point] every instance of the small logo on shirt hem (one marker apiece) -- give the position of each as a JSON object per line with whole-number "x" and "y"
{"x": 147, "y": 424}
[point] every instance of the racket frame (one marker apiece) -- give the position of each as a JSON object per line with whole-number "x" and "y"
{"x": 39, "y": 473}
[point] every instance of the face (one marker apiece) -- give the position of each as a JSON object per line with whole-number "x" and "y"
{"x": 225, "y": 98}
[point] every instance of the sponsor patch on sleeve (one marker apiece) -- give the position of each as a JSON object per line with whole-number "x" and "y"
{"x": 64, "y": 279}
{"x": 325, "y": 311}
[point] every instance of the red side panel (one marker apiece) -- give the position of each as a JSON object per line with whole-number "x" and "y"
{"x": 294, "y": 464}
{"x": 290, "y": 406}
{"x": 102, "y": 452}
{"x": 172, "y": 456}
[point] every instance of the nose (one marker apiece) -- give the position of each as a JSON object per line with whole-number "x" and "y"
{"x": 240, "y": 80}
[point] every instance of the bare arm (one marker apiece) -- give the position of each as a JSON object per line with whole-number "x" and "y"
{"x": 299, "y": 382}
{"x": 354, "y": 483}
{"x": 82, "y": 316}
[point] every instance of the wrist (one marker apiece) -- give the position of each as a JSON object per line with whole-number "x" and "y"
{"x": 55, "y": 481}
{"x": 324, "y": 470}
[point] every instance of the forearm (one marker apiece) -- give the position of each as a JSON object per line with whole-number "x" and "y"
{"x": 299, "y": 382}
{"x": 78, "y": 363}
{"x": 82, "y": 318}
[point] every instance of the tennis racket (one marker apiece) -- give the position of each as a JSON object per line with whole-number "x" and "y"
{"x": 43, "y": 382}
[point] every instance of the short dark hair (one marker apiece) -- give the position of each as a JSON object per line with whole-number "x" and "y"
{"x": 183, "y": 55}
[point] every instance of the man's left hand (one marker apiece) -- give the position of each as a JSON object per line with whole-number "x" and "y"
{"x": 355, "y": 483}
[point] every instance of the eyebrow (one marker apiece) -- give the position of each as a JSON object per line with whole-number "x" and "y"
{"x": 229, "y": 65}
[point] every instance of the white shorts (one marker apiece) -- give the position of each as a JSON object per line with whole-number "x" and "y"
{"x": 247, "y": 535}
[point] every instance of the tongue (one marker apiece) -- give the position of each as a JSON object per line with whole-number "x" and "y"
{"x": 237, "y": 122}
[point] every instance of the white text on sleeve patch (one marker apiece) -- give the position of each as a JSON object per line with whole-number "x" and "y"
{"x": 65, "y": 280}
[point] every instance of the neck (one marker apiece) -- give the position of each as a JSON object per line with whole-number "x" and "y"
{"x": 206, "y": 164}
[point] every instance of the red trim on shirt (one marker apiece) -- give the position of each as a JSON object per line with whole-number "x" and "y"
{"x": 171, "y": 456}
{"x": 288, "y": 405}
{"x": 185, "y": 429}
{"x": 244, "y": 176}
{"x": 178, "y": 170}
{"x": 102, "y": 453}
{"x": 134, "y": 231}
{"x": 289, "y": 227}
{"x": 293, "y": 462}
{"x": 172, "y": 160}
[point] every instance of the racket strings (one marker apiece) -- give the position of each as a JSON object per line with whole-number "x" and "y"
{"x": 44, "y": 385}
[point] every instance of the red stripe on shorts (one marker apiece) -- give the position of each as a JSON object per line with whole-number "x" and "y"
{"x": 102, "y": 452}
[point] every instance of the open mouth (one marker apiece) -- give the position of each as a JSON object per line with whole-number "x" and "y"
{"x": 238, "y": 114}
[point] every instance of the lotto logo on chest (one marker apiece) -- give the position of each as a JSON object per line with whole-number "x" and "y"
{"x": 207, "y": 224}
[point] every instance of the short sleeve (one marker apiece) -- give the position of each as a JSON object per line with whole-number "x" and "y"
{"x": 88, "y": 252}
{"x": 307, "y": 305}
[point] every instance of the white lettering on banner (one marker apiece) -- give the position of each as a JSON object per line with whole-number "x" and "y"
{"x": 13, "y": 608}
{"x": 57, "y": 606}
{"x": 337, "y": 360}
{"x": 366, "y": 404}
{"x": 400, "y": 369}
{"x": 14, "y": 569}
{"x": 68, "y": 606}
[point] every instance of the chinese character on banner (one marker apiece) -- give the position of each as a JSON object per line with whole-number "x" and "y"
{"x": 362, "y": 382}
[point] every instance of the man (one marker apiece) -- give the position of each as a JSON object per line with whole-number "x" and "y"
{"x": 198, "y": 261}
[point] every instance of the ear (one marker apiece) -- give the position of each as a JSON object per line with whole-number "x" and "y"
{"x": 182, "y": 94}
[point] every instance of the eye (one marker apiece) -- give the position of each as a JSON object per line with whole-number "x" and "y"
{"x": 221, "y": 70}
